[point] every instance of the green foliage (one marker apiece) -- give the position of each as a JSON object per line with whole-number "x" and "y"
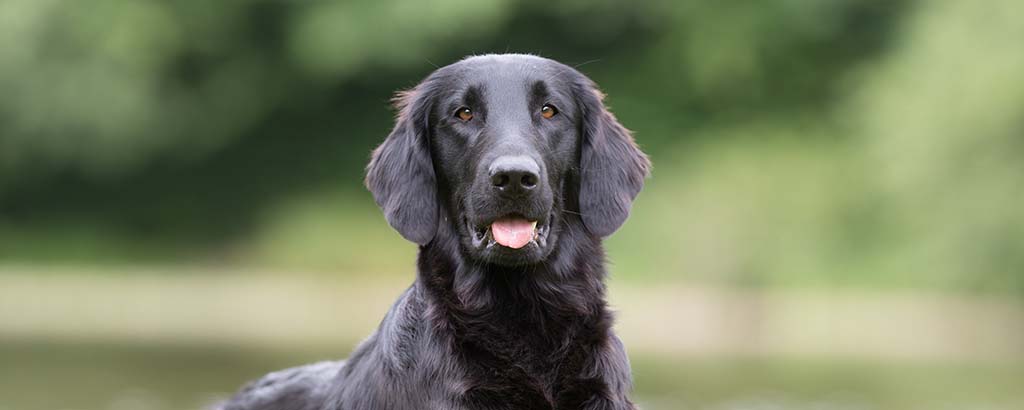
{"x": 939, "y": 123}
{"x": 794, "y": 142}
{"x": 102, "y": 88}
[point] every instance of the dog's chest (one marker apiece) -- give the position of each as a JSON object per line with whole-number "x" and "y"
{"x": 522, "y": 365}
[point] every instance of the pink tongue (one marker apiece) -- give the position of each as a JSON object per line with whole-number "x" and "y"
{"x": 513, "y": 233}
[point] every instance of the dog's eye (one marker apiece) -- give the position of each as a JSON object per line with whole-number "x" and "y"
{"x": 464, "y": 113}
{"x": 548, "y": 111}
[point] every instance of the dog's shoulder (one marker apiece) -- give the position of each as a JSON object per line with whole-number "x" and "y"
{"x": 296, "y": 388}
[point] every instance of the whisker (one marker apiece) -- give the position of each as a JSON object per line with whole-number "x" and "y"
{"x": 586, "y": 62}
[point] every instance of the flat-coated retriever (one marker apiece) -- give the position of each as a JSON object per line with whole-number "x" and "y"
{"x": 508, "y": 171}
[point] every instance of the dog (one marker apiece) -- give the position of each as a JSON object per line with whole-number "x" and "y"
{"x": 507, "y": 171}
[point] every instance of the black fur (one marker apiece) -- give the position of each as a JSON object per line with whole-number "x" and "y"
{"x": 401, "y": 175}
{"x": 483, "y": 326}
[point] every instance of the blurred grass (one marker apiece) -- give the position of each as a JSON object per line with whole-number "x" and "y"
{"x": 311, "y": 311}
{"x": 803, "y": 384}
{"x": 148, "y": 377}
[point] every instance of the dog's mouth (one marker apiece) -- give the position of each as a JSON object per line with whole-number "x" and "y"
{"x": 511, "y": 231}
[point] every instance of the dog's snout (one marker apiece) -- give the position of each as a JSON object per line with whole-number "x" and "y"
{"x": 514, "y": 174}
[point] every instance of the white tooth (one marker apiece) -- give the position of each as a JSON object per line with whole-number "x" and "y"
{"x": 533, "y": 225}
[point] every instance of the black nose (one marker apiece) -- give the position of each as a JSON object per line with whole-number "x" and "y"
{"x": 514, "y": 175}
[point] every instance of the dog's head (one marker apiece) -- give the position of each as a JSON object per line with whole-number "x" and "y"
{"x": 505, "y": 149}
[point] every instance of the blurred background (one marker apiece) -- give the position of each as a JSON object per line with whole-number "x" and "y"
{"x": 834, "y": 219}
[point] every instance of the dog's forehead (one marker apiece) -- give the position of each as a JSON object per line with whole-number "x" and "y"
{"x": 522, "y": 65}
{"x": 504, "y": 74}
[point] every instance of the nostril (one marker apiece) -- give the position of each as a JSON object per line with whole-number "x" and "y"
{"x": 528, "y": 181}
{"x": 500, "y": 180}
{"x": 514, "y": 175}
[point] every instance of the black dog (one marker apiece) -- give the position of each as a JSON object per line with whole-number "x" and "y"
{"x": 508, "y": 171}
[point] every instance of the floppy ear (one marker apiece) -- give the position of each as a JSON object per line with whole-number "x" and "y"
{"x": 612, "y": 167}
{"x": 401, "y": 174}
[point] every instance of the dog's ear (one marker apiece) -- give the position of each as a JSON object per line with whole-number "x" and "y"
{"x": 612, "y": 167}
{"x": 401, "y": 174}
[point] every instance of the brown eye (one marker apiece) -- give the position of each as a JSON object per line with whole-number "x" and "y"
{"x": 464, "y": 113}
{"x": 548, "y": 111}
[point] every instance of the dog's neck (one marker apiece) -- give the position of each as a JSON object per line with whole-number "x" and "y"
{"x": 567, "y": 286}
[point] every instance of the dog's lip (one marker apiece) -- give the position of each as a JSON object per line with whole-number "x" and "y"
{"x": 482, "y": 236}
